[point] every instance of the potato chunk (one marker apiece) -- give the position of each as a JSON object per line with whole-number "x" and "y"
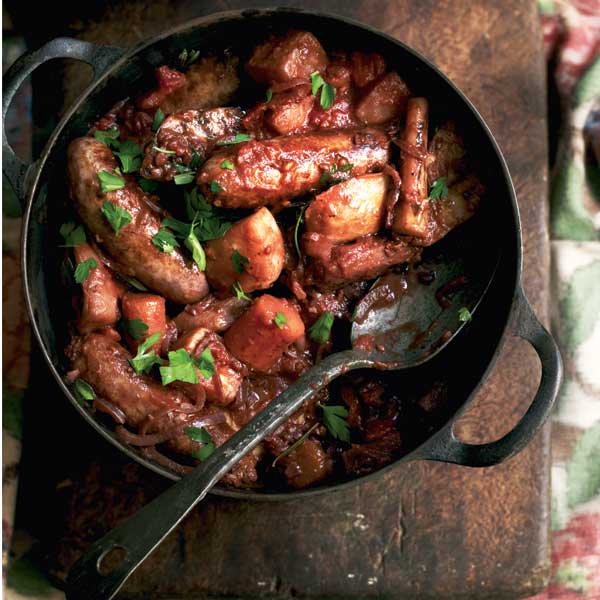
{"x": 150, "y": 309}
{"x": 251, "y": 253}
{"x": 295, "y": 55}
{"x": 350, "y": 209}
{"x": 384, "y": 101}
{"x": 262, "y": 334}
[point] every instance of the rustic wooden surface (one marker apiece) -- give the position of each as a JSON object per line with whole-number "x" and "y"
{"x": 424, "y": 530}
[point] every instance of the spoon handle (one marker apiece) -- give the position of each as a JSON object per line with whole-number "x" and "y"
{"x": 144, "y": 531}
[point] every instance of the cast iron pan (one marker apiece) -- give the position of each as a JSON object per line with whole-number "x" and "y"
{"x": 118, "y": 73}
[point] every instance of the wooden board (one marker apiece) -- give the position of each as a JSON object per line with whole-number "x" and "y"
{"x": 425, "y": 529}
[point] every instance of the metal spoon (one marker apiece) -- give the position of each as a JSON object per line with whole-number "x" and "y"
{"x": 406, "y": 332}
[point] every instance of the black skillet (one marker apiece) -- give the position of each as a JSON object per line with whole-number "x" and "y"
{"x": 463, "y": 366}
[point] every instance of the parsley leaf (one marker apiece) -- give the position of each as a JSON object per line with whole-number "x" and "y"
{"x": 206, "y": 364}
{"x": 172, "y": 152}
{"x": 136, "y": 328}
{"x": 227, "y": 164}
{"x": 133, "y": 282}
{"x": 334, "y": 418}
{"x": 215, "y": 187}
{"x": 145, "y": 358}
{"x": 187, "y": 58}
{"x": 205, "y": 451}
{"x": 83, "y": 390}
{"x": 299, "y": 221}
{"x": 320, "y": 331}
{"x": 198, "y": 434}
{"x": 83, "y": 269}
{"x": 239, "y": 292}
{"x": 464, "y": 314}
{"x": 327, "y": 96}
{"x": 317, "y": 82}
{"x": 239, "y": 262}
{"x": 116, "y": 216}
{"x": 239, "y": 137}
{"x": 280, "y": 319}
{"x": 165, "y": 241}
{"x": 184, "y": 178}
{"x": 346, "y": 167}
{"x": 148, "y": 185}
{"x": 180, "y": 368}
{"x": 193, "y": 244}
{"x": 73, "y": 234}
{"x": 159, "y": 117}
{"x": 130, "y": 155}
{"x": 269, "y": 95}
{"x": 438, "y": 189}
{"x": 109, "y": 138}
{"x": 109, "y": 182}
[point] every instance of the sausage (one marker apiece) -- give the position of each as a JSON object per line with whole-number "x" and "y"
{"x": 171, "y": 275}
{"x": 412, "y": 212}
{"x": 256, "y": 338}
{"x": 189, "y": 133}
{"x": 338, "y": 264}
{"x": 385, "y": 100}
{"x": 269, "y": 172}
{"x": 349, "y": 210}
{"x": 211, "y": 313}
{"x": 257, "y": 239}
{"x": 294, "y": 55}
{"x": 150, "y": 309}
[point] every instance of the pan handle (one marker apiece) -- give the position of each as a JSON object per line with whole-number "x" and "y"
{"x": 445, "y": 447}
{"x": 98, "y": 57}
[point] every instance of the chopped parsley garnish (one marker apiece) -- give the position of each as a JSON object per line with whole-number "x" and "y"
{"x": 83, "y": 269}
{"x": 116, "y": 216}
{"x": 439, "y": 189}
{"x": 320, "y": 331}
{"x": 133, "y": 282}
{"x": 195, "y": 162}
{"x": 109, "y": 182}
{"x": 464, "y": 314}
{"x": 165, "y": 241}
{"x": 148, "y": 185}
{"x": 83, "y": 390}
{"x": 215, "y": 187}
{"x": 159, "y": 117}
{"x": 239, "y": 137}
{"x": 201, "y": 436}
{"x": 184, "y": 178}
{"x": 109, "y": 138}
{"x": 317, "y": 82}
{"x": 227, "y": 164}
{"x": 136, "y": 328}
{"x": 204, "y": 452}
{"x": 172, "y": 152}
{"x": 327, "y": 90}
{"x": 206, "y": 364}
{"x": 280, "y": 319}
{"x": 181, "y": 367}
{"x": 186, "y": 58}
{"x": 130, "y": 156}
{"x": 73, "y": 234}
{"x": 210, "y": 226}
{"x": 239, "y": 292}
{"x": 187, "y": 232}
{"x": 269, "y": 95}
{"x": 346, "y": 167}
{"x": 334, "y": 418}
{"x": 239, "y": 262}
{"x": 299, "y": 221}
{"x": 145, "y": 358}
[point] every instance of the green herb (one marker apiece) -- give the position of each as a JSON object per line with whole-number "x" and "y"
{"x": 184, "y": 178}
{"x": 172, "y": 152}
{"x": 317, "y": 82}
{"x": 181, "y": 367}
{"x": 239, "y": 262}
{"x": 321, "y": 328}
{"x": 182, "y": 168}
{"x": 109, "y": 182}
{"x": 209, "y": 226}
{"x": 334, "y": 418}
{"x": 346, "y": 167}
{"x": 464, "y": 314}
{"x": 148, "y": 185}
{"x": 239, "y": 292}
{"x": 73, "y": 234}
{"x": 193, "y": 244}
{"x": 204, "y": 452}
{"x": 206, "y": 364}
{"x": 145, "y": 358}
{"x": 116, "y": 216}
{"x": 299, "y": 221}
{"x": 165, "y": 241}
{"x": 133, "y": 282}
{"x": 215, "y": 187}
{"x": 295, "y": 445}
{"x": 130, "y": 155}
{"x": 159, "y": 117}
{"x": 83, "y": 269}
{"x": 327, "y": 96}
{"x": 269, "y": 95}
{"x": 328, "y": 173}
{"x": 239, "y": 137}
{"x": 227, "y": 164}
{"x": 197, "y": 434}
{"x": 187, "y": 58}
{"x": 109, "y": 138}
{"x": 84, "y": 390}
{"x": 438, "y": 189}
{"x": 280, "y": 319}
{"x": 136, "y": 328}
{"x": 195, "y": 162}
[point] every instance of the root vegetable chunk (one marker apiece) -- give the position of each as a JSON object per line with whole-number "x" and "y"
{"x": 384, "y": 101}
{"x": 349, "y": 210}
{"x": 150, "y": 310}
{"x": 251, "y": 252}
{"x": 260, "y": 336}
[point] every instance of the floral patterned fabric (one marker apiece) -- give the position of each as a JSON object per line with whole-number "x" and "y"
{"x": 571, "y": 31}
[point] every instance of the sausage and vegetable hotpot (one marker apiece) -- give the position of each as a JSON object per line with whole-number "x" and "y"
{"x": 227, "y": 206}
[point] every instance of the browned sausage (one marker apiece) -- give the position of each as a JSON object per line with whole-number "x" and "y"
{"x": 271, "y": 171}
{"x": 171, "y": 275}
{"x": 211, "y": 313}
